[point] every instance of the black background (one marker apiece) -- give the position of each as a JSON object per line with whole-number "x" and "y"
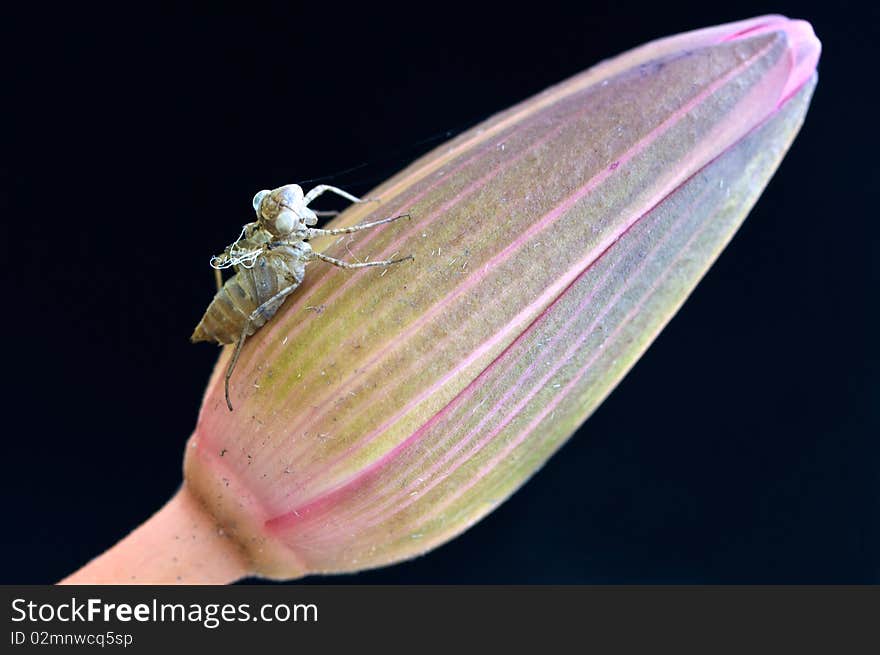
{"x": 741, "y": 449}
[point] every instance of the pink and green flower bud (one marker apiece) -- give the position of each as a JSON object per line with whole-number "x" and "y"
{"x": 380, "y": 414}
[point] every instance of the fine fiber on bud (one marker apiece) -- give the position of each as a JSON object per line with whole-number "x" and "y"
{"x": 380, "y": 414}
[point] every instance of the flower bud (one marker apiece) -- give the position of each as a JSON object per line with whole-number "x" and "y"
{"x": 380, "y": 414}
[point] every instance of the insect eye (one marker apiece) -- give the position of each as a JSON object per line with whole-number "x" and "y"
{"x": 285, "y": 222}
{"x": 258, "y": 199}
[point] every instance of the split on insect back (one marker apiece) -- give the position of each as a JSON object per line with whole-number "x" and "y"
{"x": 269, "y": 259}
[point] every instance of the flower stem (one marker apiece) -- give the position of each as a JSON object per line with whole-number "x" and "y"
{"x": 179, "y": 544}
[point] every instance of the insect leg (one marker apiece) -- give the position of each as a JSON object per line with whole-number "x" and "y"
{"x": 277, "y": 298}
{"x": 218, "y": 278}
{"x": 354, "y": 228}
{"x": 322, "y": 188}
{"x": 343, "y": 264}
{"x": 326, "y": 213}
